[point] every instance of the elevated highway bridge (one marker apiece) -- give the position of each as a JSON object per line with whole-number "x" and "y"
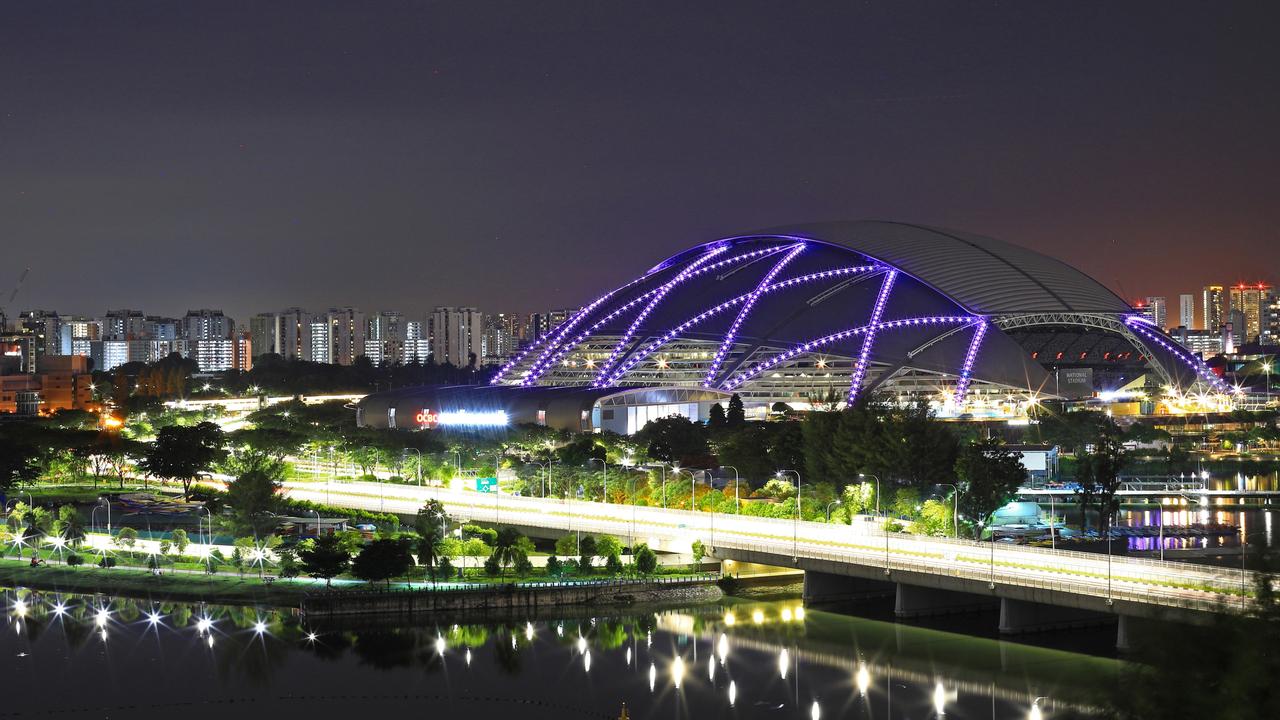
{"x": 1034, "y": 588}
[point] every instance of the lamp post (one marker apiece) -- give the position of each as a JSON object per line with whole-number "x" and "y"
{"x": 675, "y": 473}
{"x": 419, "y": 452}
{"x": 317, "y": 512}
{"x": 706, "y": 476}
{"x": 1244, "y": 548}
{"x": 1160, "y": 518}
{"x": 1109, "y": 521}
{"x": 663, "y": 468}
{"x": 1053, "y": 530}
{"x": 604, "y": 466}
{"x": 795, "y": 540}
{"x": 1266, "y": 368}
{"x": 955, "y": 508}
{"x": 107, "y": 502}
{"x": 877, "y": 479}
{"x": 208, "y": 538}
{"x": 737, "y": 504}
{"x": 833, "y": 502}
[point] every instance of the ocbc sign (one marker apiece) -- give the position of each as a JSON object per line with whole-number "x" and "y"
{"x": 426, "y": 418}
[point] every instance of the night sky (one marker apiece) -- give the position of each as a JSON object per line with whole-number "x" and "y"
{"x": 524, "y": 155}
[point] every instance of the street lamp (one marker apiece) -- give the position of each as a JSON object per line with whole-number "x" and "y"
{"x": 833, "y": 502}
{"x": 796, "y": 532}
{"x": 737, "y": 504}
{"x": 877, "y": 479}
{"x": 675, "y": 471}
{"x": 955, "y": 508}
{"x": 605, "y": 469}
{"x": 419, "y": 452}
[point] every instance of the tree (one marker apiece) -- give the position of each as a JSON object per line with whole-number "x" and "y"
{"x": 988, "y": 476}
{"x": 382, "y": 560}
{"x": 737, "y": 414}
{"x": 1099, "y": 471}
{"x": 717, "y": 419}
{"x": 253, "y": 497}
{"x": 325, "y": 558}
{"x": 19, "y": 463}
{"x": 72, "y": 524}
{"x": 698, "y": 550}
{"x": 646, "y": 559}
{"x": 587, "y": 553}
{"x": 567, "y": 545}
{"x": 554, "y": 568}
{"x": 182, "y": 453}
{"x": 180, "y": 540}
{"x": 608, "y": 546}
{"x": 675, "y": 439}
{"x": 126, "y": 537}
{"x": 506, "y": 548}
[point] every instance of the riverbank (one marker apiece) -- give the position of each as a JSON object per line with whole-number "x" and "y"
{"x": 233, "y": 589}
{"x": 512, "y": 598}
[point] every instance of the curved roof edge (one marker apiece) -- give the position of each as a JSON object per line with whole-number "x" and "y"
{"x": 987, "y": 276}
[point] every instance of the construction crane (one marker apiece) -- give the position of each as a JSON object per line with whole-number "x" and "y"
{"x": 22, "y": 280}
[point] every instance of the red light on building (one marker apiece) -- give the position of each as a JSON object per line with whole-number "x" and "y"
{"x": 426, "y": 418}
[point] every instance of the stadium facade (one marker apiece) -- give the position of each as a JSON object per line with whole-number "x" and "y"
{"x": 791, "y": 314}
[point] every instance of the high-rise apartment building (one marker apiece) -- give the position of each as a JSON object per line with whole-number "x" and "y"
{"x": 1249, "y": 300}
{"x": 457, "y": 336}
{"x": 385, "y": 338}
{"x": 347, "y": 333}
{"x": 206, "y": 324}
{"x": 503, "y": 333}
{"x": 1213, "y": 307}
{"x": 1271, "y": 321}
{"x": 1159, "y": 310}
{"x": 124, "y": 325}
{"x": 44, "y": 327}
{"x": 417, "y": 343}
{"x": 540, "y": 324}
{"x": 1187, "y": 311}
{"x": 264, "y": 333}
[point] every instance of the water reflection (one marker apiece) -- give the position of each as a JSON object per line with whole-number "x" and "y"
{"x": 791, "y": 663}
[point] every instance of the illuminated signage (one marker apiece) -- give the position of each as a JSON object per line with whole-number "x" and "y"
{"x": 460, "y": 418}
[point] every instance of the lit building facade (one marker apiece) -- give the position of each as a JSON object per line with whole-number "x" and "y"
{"x": 1249, "y": 300}
{"x": 1213, "y": 305}
{"x": 1187, "y": 311}
{"x": 457, "y": 336}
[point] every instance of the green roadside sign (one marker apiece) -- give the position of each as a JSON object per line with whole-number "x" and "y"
{"x": 486, "y": 484}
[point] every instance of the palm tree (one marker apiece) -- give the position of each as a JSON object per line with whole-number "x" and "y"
{"x": 507, "y": 547}
{"x": 429, "y": 549}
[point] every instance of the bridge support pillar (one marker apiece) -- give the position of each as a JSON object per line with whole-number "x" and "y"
{"x": 1122, "y": 634}
{"x": 914, "y": 601}
{"x": 1021, "y": 616}
{"x": 820, "y": 587}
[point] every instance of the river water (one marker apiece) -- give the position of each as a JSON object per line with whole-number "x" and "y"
{"x": 85, "y": 657}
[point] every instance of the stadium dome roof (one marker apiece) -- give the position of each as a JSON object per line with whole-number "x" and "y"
{"x": 985, "y": 275}
{"x": 787, "y": 313}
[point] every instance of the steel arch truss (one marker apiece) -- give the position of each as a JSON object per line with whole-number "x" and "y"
{"x": 1139, "y": 332}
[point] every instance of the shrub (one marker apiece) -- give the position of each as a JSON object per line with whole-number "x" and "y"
{"x": 554, "y": 567}
{"x": 107, "y": 562}
{"x": 522, "y": 565}
{"x": 74, "y": 559}
{"x": 488, "y": 535}
{"x": 492, "y": 567}
{"x": 613, "y": 565}
{"x": 646, "y": 559}
{"x": 444, "y": 568}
